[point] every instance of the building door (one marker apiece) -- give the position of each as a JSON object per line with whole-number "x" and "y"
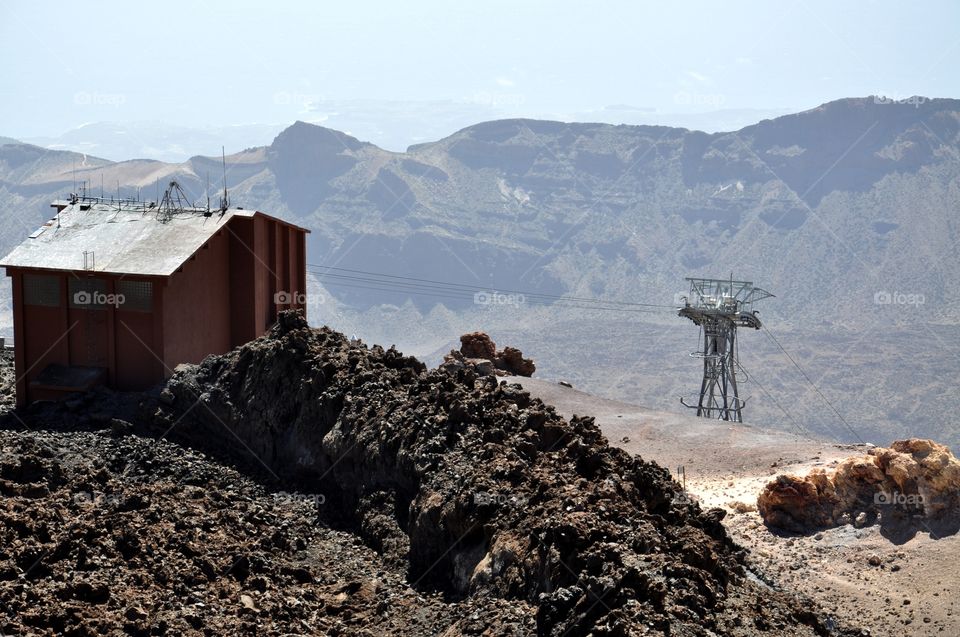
{"x": 89, "y": 306}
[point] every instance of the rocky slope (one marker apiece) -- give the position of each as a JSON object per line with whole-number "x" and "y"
{"x": 118, "y": 534}
{"x": 472, "y": 487}
{"x": 861, "y": 574}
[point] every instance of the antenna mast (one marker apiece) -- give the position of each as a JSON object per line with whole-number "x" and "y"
{"x": 224, "y": 201}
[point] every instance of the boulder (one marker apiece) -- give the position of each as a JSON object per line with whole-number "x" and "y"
{"x": 477, "y": 349}
{"x": 913, "y": 480}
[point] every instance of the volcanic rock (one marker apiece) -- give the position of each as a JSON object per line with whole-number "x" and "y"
{"x": 914, "y": 479}
{"x": 132, "y": 535}
{"x": 477, "y": 347}
{"x": 498, "y": 496}
{"x": 492, "y": 514}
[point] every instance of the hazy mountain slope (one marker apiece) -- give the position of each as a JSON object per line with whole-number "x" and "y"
{"x": 157, "y": 140}
{"x": 847, "y": 212}
{"x": 845, "y": 193}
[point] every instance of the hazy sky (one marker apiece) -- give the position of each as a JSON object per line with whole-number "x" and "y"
{"x": 70, "y": 63}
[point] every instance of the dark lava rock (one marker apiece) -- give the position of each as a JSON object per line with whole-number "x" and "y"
{"x": 491, "y": 514}
{"x": 497, "y": 495}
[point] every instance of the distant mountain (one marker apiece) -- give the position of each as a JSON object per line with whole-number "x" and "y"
{"x": 156, "y": 140}
{"x": 847, "y": 212}
{"x": 855, "y": 194}
{"x": 393, "y": 125}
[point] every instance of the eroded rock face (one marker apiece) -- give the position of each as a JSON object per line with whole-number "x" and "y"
{"x": 480, "y": 489}
{"x": 478, "y": 345}
{"x": 478, "y": 350}
{"x": 512, "y": 361}
{"x": 914, "y": 480}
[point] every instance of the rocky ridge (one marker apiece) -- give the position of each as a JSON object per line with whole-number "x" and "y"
{"x": 480, "y": 489}
{"x": 502, "y": 517}
{"x": 107, "y": 534}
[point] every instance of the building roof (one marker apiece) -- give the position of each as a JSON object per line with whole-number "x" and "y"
{"x": 126, "y": 238}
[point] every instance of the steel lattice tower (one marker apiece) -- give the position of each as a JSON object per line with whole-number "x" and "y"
{"x": 719, "y": 306}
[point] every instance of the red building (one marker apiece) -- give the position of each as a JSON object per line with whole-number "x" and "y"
{"x": 121, "y": 293}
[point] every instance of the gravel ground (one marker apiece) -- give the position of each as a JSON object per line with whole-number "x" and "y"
{"x": 104, "y": 534}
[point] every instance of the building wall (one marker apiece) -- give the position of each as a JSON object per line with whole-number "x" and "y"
{"x": 227, "y": 294}
{"x": 122, "y": 339}
{"x": 40, "y": 336}
{"x": 243, "y": 293}
{"x": 196, "y": 306}
{"x": 267, "y": 273}
{"x": 139, "y": 345}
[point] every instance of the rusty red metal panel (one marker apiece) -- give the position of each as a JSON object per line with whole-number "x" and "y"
{"x": 196, "y": 316}
{"x": 243, "y": 313}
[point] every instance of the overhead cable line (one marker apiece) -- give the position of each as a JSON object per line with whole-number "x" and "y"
{"x": 815, "y": 388}
{"x": 803, "y": 431}
{"x": 462, "y": 287}
{"x": 491, "y": 299}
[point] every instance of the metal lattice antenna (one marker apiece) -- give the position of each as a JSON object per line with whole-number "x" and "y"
{"x": 174, "y": 201}
{"x": 719, "y": 306}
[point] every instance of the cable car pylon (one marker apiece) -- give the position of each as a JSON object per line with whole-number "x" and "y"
{"x": 719, "y": 306}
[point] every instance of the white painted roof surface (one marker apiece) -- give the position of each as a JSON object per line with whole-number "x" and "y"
{"x": 125, "y": 241}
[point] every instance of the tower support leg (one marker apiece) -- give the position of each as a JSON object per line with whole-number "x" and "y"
{"x": 719, "y": 372}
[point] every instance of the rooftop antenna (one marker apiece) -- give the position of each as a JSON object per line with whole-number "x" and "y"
{"x": 719, "y": 306}
{"x": 174, "y": 202}
{"x": 208, "y": 191}
{"x": 224, "y": 201}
